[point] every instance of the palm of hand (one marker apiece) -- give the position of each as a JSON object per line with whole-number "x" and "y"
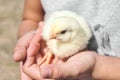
{"x": 81, "y": 65}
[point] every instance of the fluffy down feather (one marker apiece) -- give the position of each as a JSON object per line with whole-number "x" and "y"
{"x": 66, "y": 33}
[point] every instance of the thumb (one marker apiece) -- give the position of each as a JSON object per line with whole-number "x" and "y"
{"x": 61, "y": 71}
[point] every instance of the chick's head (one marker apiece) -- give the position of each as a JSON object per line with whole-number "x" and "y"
{"x": 63, "y": 28}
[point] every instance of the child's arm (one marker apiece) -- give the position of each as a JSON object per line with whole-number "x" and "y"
{"x": 33, "y": 13}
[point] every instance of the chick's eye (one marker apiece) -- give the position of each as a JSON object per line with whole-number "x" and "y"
{"x": 63, "y": 32}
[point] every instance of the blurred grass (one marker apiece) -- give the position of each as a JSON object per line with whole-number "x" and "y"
{"x": 10, "y": 18}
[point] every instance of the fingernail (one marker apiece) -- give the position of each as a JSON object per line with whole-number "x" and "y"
{"x": 47, "y": 73}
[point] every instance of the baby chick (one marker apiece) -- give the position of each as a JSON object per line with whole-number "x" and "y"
{"x": 65, "y": 33}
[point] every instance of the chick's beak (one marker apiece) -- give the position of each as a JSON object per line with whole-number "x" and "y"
{"x": 52, "y": 36}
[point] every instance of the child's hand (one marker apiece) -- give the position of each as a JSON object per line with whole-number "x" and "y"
{"x": 32, "y": 39}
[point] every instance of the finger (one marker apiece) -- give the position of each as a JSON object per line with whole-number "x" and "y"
{"x": 34, "y": 46}
{"x": 32, "y": 71}
{"x": 38, "y": 58}
{"x": 31, "y": 68}
{"x": 41, "y": 24}
{"x": 59, "y": 71}
{"x": 43, "y": 47}
{"x": 23, "y": 75}
{"x": 20, "y": 50}
{"x": 78, "y": 63}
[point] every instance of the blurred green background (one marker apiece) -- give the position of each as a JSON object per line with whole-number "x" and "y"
{"x": 10, "y": 18}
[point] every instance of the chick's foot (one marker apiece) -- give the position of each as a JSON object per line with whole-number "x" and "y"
{"x": 47, "y": 58}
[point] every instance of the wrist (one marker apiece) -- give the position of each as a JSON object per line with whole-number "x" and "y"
{"x": 94, "y": 70}
{"x": 94, "y": 62}
{"x": 27, "y": 26}
{"x": 106, "y": 68}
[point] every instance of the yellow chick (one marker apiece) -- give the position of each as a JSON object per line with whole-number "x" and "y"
{"x": 65, "y": 33}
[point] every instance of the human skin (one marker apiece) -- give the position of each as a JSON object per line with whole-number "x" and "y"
{"x": 99, "y": 67}
{"x": 33, "y": 14}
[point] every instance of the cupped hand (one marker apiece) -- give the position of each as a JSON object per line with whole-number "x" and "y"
{"x": 23, "y": 43}
{"x": 34, "y": 54}
{"x": 76, "y": 67}
{"x": 79, "y": 66}
{"x": 20, "y": 50}
{"x": 32, "y": 39}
